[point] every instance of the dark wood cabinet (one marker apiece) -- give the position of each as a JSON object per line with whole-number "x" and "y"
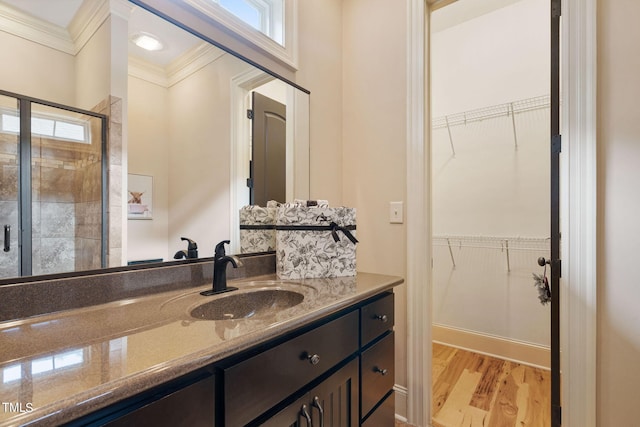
{"x": 255, "y": 385}
{"x": 334, "y": 402}
{"x": 377, "y": 373}
{"x": 191, "y": 406}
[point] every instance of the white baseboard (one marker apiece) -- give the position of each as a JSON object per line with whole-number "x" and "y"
{"x": 516, "y": 351}
{"x": 401, "y": 402}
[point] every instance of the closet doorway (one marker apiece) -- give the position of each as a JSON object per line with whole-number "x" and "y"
{"x": 53, "y": 187}
{"x": 491, "y": 105}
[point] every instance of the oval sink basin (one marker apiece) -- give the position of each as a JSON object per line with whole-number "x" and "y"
{"x": 247, "y": 305}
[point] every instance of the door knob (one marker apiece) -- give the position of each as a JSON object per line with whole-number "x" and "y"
{"x": 542, "y": 261}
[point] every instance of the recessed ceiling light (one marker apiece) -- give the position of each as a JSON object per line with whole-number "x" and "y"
{"x": 147, "y": 41}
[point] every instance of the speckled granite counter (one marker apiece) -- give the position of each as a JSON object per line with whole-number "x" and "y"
{"x": 60, "y": 366}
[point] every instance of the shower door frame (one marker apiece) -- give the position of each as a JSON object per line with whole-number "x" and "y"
{"x": 25, "y": 222}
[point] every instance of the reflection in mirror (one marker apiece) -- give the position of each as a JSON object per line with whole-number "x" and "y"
{"x": 185, "y": 137}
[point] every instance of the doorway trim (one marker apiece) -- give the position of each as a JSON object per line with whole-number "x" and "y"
{"x": 578, "y": 205}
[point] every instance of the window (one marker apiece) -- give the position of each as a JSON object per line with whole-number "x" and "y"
{"x": 265, "y": 16}
{"x": 268, "y": 24}
{"x": 48, "y": 126}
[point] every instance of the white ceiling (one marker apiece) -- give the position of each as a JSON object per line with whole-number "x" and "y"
{"x": 464, "y": 10}
{"x": 176, "y": 41}
{"x": 58, "y": 12}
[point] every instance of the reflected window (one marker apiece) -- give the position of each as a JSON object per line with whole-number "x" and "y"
{"x": 45, "y": 364}
{"x": 11, "y": 373}
{"x": 48, "y": 126}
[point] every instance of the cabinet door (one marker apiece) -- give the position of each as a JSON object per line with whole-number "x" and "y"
{"x": 298, "y": 414}
{"x": 334, "y": 402}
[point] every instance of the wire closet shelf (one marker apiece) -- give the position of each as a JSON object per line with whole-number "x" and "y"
{"x": 505, "y": 244}
{"x": 500, "y": 110}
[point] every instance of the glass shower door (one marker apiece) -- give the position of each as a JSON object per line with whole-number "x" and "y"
{"x": 52, "y": 191}
{"x": 9, "y": 186}
{"x": 66, "y": 190}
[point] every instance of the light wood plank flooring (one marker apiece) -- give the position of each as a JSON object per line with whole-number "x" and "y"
{"x": 473, "y": 390}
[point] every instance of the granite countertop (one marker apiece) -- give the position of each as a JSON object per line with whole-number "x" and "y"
{"x": 57, "y": 367}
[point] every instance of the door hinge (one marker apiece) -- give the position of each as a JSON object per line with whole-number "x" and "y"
{"x": 556, "y": 8}
{"x": 250, "y": 114}
{"x": 557, "y": 265}
{"x": 249, "y": 183}
{"x": 556, "y": 144}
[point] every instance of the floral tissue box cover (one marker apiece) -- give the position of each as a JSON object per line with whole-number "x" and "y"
{"x": 315, "y": 242}
{"x": 257, "y": 229}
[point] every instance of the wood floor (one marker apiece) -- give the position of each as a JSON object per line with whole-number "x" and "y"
{"x": 473, "y": 390}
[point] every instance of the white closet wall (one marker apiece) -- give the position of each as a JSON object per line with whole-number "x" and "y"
{"x": 491, "y": 172}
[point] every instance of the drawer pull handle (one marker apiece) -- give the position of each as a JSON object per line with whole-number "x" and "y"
{"x": 316, "y": 404}
{"x": 314, "y": 359}
{"x": 382, "y": 372}
{"x": 382, "y": 317}
{"x": 305, "y": 414}
{"x": 7, "y": 238}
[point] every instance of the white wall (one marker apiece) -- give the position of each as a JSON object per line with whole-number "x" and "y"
{"x": 477, "y": 65}
{"x": 618, "y": 348}
{"x": 490, "y": 188}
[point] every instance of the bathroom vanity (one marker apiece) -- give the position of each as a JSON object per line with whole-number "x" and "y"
{"x": 327, "y": 359}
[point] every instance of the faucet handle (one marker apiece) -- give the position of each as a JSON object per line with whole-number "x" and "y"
{"x": 192, "y": 248}
{"x": 220, "y": 252}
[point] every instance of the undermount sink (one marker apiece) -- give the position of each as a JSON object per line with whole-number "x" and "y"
{"x": 245, "y": 305}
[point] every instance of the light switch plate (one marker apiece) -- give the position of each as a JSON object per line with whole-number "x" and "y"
{"x": 396, "y": 212}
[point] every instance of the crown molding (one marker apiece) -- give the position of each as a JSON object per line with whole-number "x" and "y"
{"x": 27, "y": 27}
{"x": 191, "y": 61}
{"x": 84, "y": 24}
{"x": 148, "y": 72}
{"x": 91, "y": 16}
{"x": 178, "y": 70}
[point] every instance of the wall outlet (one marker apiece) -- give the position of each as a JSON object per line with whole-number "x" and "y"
{"x": 396, "y": 212}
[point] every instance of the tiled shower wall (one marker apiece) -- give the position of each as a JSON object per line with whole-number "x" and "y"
{"x": 66, "y": 205}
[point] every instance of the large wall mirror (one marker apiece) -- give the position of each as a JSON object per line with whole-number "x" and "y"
{"x": 179, "y": 135}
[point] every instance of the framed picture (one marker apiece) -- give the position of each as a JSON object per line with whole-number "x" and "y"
{"x": 140, "y": 197}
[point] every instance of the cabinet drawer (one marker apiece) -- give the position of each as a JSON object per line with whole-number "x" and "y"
{"x": 192, "y": 406}
{"x": 255, "y": 385}
{"x": 384, "y": 415}
{"x": 376, "y": 318}
{"x": 377, "y": 372}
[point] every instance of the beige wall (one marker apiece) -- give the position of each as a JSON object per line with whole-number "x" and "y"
{"x": 373, "y": 137}
{"x": 148, "y": 154}
{"x": 320, "y": 71}
{"x": 37, "y": 71}
{"x": 618, "y": 354}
